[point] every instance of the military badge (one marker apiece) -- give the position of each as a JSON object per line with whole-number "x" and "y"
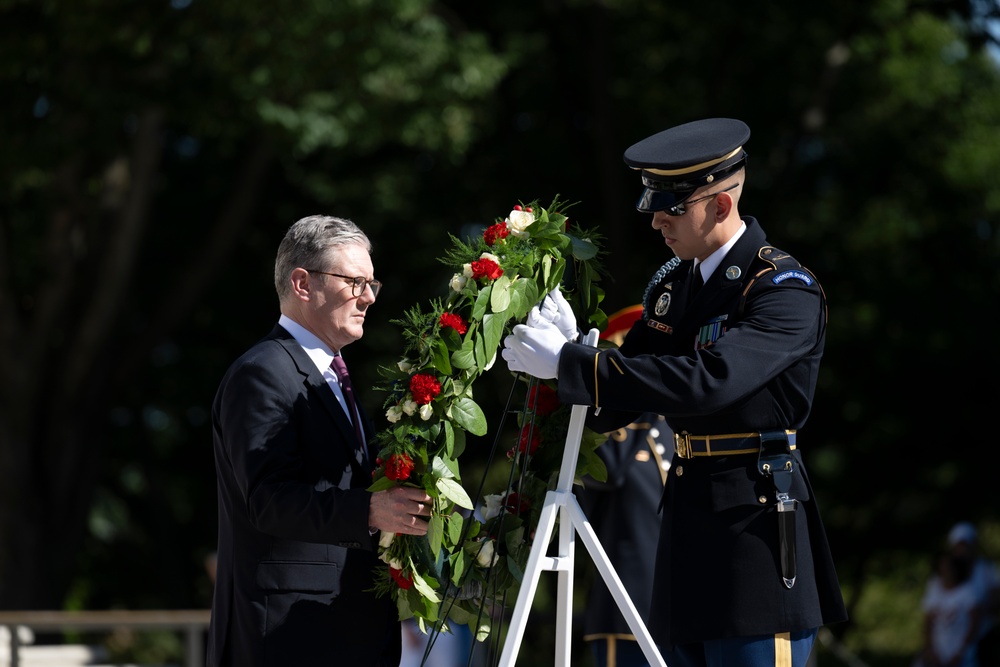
{"x": 662, "y": 304}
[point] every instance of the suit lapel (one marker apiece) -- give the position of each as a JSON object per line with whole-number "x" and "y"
{"x": 317, "y": 384}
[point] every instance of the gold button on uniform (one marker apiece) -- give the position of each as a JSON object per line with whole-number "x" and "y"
{"x": 680, "y": 470}
{"x": 762, "y": 499}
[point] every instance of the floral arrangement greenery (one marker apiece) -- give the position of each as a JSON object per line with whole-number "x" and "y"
{"x": 473, "y": 558}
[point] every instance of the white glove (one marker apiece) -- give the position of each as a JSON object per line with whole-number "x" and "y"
{"x": 557, "y": 310}
{"x": 533, "y": 350}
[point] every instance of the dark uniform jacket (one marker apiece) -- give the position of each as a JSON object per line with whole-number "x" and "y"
{"x": 740, "y": 356}
{"x": 295, "y": 556}
{"x": 623, "y": 513}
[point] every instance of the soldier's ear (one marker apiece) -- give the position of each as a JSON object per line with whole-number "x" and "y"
{"x": 723, "y": 206}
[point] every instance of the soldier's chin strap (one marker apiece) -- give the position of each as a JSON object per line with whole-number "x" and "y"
{"x": 775, "y": 461}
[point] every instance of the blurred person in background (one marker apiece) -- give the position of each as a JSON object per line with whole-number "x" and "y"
{"x": 623, "y": 514}
{"x": 952, "y": 614}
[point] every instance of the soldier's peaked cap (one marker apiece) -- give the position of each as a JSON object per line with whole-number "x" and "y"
{"x": 691, "y": 155}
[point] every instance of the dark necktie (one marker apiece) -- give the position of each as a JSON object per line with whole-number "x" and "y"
{"x": 340, "y": 368}
{"x": 696, "y": 280}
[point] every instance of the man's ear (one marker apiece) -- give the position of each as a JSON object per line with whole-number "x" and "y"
{"x": 723, "y": 206}
{"x": 302, "y": 285}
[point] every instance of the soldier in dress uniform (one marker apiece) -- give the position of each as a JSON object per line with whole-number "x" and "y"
{"x": 728, "y": 349}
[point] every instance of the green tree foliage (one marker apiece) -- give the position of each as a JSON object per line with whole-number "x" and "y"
{"x": 154, "y": 154}
{"x": 143, "y": 142}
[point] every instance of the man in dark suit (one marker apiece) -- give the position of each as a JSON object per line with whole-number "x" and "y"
{"x": 728, "y": 349}
{"x": 298, "y": 531}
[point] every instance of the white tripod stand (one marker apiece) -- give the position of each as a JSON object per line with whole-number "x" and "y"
{"x": 571, "y": 520}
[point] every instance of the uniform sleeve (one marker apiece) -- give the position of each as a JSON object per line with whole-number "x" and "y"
{"x": 781, "y": 325}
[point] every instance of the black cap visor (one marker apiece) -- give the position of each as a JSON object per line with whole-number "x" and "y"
{"x": 653, "y": 200}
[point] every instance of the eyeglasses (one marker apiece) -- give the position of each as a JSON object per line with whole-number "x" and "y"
{"x": 358, "y": 283}
{"x": 671, "y": 202}
{"x": 680, "y": 208}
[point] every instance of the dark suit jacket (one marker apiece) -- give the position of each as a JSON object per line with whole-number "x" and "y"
{"x": 295, "y": 557}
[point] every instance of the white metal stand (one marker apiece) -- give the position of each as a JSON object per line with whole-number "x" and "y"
{"x": 571, "y": 519}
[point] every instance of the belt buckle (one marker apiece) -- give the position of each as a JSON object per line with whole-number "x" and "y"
{"x": 682, "y": 445}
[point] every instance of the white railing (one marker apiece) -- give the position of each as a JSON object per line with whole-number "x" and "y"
{"x": 192, "y": 623}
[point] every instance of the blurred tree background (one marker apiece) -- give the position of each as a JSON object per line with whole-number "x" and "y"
{"x": 155, "y": 153}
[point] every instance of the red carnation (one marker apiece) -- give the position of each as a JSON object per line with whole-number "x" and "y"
{"x": 530, "y": 439}
{"x": 515, "y": 504}
{"x": 398, "y": 467}
{"x": 543, "y": 399}
{"x": 495, "y": 233}
{"x": 424, "y": 388}
{"x": 486, "y": 268}
{"x": 454, "y": 321}
{"x": 401, "y": 579}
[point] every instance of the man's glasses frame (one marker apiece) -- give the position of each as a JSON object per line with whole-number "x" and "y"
{"x": 358, "y": 283}
{"x": 680, "y": 208}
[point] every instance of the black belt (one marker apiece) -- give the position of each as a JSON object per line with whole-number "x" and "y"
{"x": 688, "y": 446}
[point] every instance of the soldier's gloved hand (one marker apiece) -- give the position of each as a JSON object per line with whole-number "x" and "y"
{"x": 556, "y": 309}
{"x": 534, "y": 350}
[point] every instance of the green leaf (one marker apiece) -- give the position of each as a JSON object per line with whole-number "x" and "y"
{"x": 583, "y": 250}
{"x": 455, "y": 523}
{"x": 482, "y": 303}
{"x": 458, "y": 563}
{"x": 466, "y": 357}
{"x": 500, "y": 297}
{"x": 449, "y": 439}
{"x": 481, "y": 359}
{"x": 381, "y": 484}
{"x": 423, "y": 586}
{"x": 467, "y": 414}
{"x": 435, "y": 533}
{"x": 493, "y": 328}
{"x": 440, "y": 469}
{"x": 514, "y": 569}
{"x": 441, "y": 357}
{"x": 459, "y": 444}
{"x": 454, "y": 492}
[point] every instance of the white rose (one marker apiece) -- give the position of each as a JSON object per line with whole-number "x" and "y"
{"x": 458, "y": 280}
{"x": 518, "y": 221}
{"x": 467, "y": 270}
{"x": 490, "y": 256}
{"x": 391, "y": 562}
{"x": 409, "y": 406}
{"x": 494, "y": 503}
{"x": 405, "y": 366}
{"x": 487, "y": 555}
{"x": 394, "y": 414}
{"x": 385, "y": 539}
{"x": 426, "y": 412}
